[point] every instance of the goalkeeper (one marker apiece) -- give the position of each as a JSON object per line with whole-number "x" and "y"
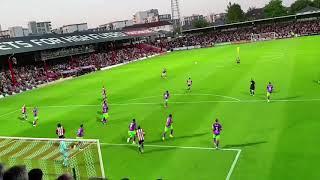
{"x": 64, "y": 151}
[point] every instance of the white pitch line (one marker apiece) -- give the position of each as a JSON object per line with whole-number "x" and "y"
{"x": 8, "y": 113}
{"x": 233, "y": 165}
{"x": 215, "y": 95}
{"x": 177, "y": 147}
{"x": 281, "y": 100}
{"x": 181, "y": 102}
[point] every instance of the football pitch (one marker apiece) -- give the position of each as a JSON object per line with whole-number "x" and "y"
{"x": 260, "y": 140}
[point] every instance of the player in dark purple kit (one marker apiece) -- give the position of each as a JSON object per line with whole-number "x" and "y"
{"x": 105, "y": 112}
{"x": 269, "y": 91}
{"x": 80, "y": 135}
{"x": 168, "y": 127}
{"x": 132, "y": 131}
{"x": 35, "y": 115}
{"x": 166, "y": 97}
{"x": 216, "y": 130}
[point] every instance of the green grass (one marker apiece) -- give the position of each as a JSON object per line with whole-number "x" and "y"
{"x": 279, "y": 140}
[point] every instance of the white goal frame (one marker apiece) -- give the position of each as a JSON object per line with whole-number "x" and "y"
{"x": 263, "y": 36}
{"x": 96, "y": 141}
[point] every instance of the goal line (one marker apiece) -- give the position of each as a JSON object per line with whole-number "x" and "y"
{"x": 233, "y": 165}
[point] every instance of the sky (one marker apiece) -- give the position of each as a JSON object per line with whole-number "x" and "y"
{"x": 96, "y": 12}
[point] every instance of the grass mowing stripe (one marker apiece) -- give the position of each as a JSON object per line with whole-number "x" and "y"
{"x": 11, "y": 148}
{"x": 58, "y": 167}
{"x": 43, "y": 165}
{"x": 25, "y": 149}
{"x": 6, "y": 142}
{"x": 74, "y": 163}
{"x": 51, "y": 154}
{"x": 3, "y": 115}
{"x": 44, "y": 148}
{"x": 28, "y": 164}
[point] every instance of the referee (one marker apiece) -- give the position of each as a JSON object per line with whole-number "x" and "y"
{"x": 252, "y": 87}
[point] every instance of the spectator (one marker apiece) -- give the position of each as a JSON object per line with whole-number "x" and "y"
{"x": 16, "y": 173}
{"x": 35, "y": 174}
{"x": 65, "y": 177}
{"x": 2, "y": 169}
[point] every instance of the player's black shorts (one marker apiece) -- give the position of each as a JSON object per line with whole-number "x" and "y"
{"x": 61, "y": 137}
{"x": 141, "y": 142}
{"x": 252, "y": 88}
{"x": 189, "y": 85}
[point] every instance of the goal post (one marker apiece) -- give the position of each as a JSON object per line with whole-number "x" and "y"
{"x": 84, "y": 156}
{"x": 263, "y": 36}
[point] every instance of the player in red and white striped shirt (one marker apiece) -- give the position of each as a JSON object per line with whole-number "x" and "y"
{"x": 24, "y": 112}
{"x": 60, "y": 131}
{"x": 140, "y": 135}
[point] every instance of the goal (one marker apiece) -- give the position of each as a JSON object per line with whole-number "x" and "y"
{"x": 263, "y": 36}
{"x": 84, "y": 156}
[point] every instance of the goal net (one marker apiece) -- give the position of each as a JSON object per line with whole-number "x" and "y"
{"x": 263, "y": 36}
{"x": 83, "y": 156}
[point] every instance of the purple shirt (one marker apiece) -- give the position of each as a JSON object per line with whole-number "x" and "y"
{"x": 80, "y": 132}
{"x": 216, "y": 128}
{"x": 35, "y": 112}
{"x": 132, "y": 126}
{"x": 105, "y": 108}
{"x": 270, "y": 88}
{"x": 169, "y": 122}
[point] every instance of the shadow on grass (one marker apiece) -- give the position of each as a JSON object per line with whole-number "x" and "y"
{"x": 98, "y": 119}
{"x": 99, "y": 113}
{"x": 20, "y": 118}
{"x": 179, "y": 137}
{"x": 316, "y": 81}
{"x": 256, "y": 95}
{"x": 147, "y": 151}
{"x": 245, "y": 144}
{"x": 288, "y": 98}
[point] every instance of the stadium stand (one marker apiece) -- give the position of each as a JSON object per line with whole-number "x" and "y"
{"x": 242, "y": 34}
{"x": 64, "y": 63}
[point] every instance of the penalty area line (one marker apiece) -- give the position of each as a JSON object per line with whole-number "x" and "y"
{"x": 3, "y": 115}
{"x": 233, "y": 165}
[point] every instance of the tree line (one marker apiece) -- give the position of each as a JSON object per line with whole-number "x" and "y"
{"x": 274, "y": 8}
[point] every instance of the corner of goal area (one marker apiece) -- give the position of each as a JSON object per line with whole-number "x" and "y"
{"x": 84, "y": 157}
{"x": 228, "y": 175}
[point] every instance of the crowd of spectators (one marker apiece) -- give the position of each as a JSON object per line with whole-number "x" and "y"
{"x": 66, "y": 52}
{"x": 31, "y": 76}
{"x": 21, "y": 173}
{"x": 280, "y": 30}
